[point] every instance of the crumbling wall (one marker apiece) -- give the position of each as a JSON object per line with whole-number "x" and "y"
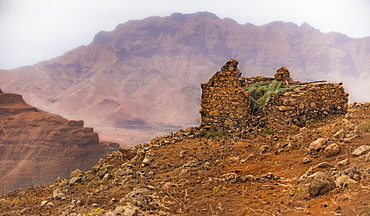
{"x": 225, "y": 103}
{"x": 307, "y": 102}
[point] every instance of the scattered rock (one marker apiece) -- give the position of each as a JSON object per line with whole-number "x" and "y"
{"x": 353, "y": 172}
{"x": 58, "y": 194}
{"x": 317, "y": 175}
{"x": 324, "y": 165}
{"x": 319, "y": 187}
{"x": 234, "y": 159}
{"x": 141, "y": 197}
{"x": 167, "y": 185}
{"x": 344, "y": 162}
{"x": 263, "y": 149}
{"x": 43, "y": 203}
{"x": 76, "y": 173}
{"x": 75, "y": 180}
{"x": 361, "y": 150}
{"x": 182, "y": 153}
{"x": 367, "y": 158}
{"x": 307, "y": 160}
{"x": 106, "y": 177}
{"x": 367, "y": 170}
{"x": 348, "y": 126}
{"x": 146, "y": 161}
{"x": 75, "y": 203}
{"x": 347, "y": 140}
{"x": 339, "y": 135}
{"x": 283, "y": 148}
{"x": 192, "y": 163}
{"x": 46, "y": 204}
{"x": 247, "y": 178}
{"x": 343, "y": 181}
{"x": 127, "y": 210}
{"x": 268, "y": 176}
{"x": 231, "y": 177}
{"x": 331, "y": 150}
{"x": 317, "y": 145}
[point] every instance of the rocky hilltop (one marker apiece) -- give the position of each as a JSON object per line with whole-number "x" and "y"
{"x": 37, "y": 146}
{"x": 147, "y": 72}
{"x": 228, "y": 168}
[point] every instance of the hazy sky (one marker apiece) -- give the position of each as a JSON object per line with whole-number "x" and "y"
{"x": 36, "y": 30}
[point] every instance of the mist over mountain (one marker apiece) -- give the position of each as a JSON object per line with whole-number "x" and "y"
{"x": 147, "y": 72}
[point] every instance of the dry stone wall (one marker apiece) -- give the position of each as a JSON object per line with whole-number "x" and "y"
{"x": 306, "y": 102}
{"x": 226, "y": 102}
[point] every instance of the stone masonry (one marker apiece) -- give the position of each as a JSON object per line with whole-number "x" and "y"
{"x": 306, "y": 102}
{"x": 226, "y": 102}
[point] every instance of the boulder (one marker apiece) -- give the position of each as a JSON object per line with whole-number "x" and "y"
{"x": 319, "y": 187}
{"x": 361, "y": 150}
{"x": 331, "y": 150}
{"x": 317, "y": 145}
{"x": 344, "y": 181}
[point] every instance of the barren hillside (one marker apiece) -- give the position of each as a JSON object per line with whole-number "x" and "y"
{"x": 195, "y": 173}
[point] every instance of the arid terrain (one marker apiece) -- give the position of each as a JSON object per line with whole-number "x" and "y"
{"x": 193, "y": 172}
{"x": 260, "y": 146}
{"x": 37, "y": 146}
{"x": 146, "y": 73}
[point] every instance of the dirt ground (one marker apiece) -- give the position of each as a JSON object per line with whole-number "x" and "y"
{"x": 217, "y": 175}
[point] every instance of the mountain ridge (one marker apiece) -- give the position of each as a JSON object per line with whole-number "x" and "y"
{"x": 36, "y": 146}
{"x": 142, "y": 71}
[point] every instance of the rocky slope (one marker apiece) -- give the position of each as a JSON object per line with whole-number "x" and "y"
{"x": 37, "y": 146}
{"x": 320, "y": 169}
{"x": 147, "y": 72}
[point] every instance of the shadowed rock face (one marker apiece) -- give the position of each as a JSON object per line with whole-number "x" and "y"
{"x": 36, "y": 146}
{"x": 148, "y": 71}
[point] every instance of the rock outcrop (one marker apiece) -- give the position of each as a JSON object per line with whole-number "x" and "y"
{"x": 36, "y": 146}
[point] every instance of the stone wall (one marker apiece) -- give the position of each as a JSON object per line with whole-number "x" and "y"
{"x": 307, "y": 102}
{"x": 226, "y": 103}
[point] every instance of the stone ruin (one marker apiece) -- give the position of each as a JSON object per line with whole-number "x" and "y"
{"x": 232, "y": 103}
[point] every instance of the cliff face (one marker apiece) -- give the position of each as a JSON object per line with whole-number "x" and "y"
{"x": 147, "y": 72}
{"x": 36, "y": 146}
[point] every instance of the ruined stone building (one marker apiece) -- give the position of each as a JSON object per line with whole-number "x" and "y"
{"x": 232, "y": 103}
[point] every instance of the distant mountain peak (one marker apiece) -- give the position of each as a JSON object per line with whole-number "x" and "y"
{"x": 307, "y": 26}
{"x": 197, "y": 15}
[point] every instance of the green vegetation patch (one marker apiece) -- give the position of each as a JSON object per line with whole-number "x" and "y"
{"x": 216, "y": 135}
{"x": 262, "y": 92}
{"x": 365, "y": 126}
